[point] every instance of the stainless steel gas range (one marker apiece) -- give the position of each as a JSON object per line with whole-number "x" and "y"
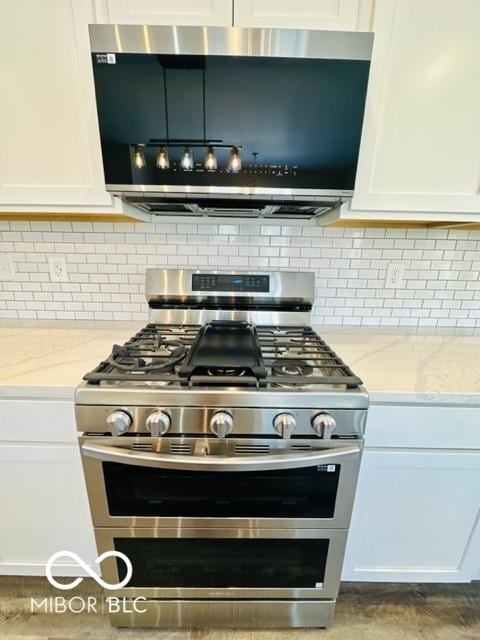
{"x": 221, "y": 447}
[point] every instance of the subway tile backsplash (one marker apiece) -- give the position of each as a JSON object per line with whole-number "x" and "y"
{"x": 106, "y": 262}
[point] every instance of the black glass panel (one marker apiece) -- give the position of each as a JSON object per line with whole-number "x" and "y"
{"x": 296, "y": 122}
{"x": 290, "y": 493}
{"x": 222, "y": 563}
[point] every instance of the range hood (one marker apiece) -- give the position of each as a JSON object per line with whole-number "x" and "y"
{"x": 232, "y": 122}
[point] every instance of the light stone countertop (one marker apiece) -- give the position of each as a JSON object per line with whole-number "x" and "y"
{"x": 46, "y": 359}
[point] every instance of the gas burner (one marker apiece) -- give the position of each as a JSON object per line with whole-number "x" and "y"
{"x": 291, "y": 367}
{"x": 220, "y": 371}
{"x": 123, "y": 359}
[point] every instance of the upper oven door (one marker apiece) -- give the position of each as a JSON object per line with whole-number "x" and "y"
{"x": 167, "y": 481}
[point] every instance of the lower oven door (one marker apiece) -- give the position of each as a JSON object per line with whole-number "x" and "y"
{"x": 201, "y": 483}
{"x": 225, "y": 563}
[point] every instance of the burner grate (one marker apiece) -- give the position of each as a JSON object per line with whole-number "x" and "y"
{"x": 290, "y": 357}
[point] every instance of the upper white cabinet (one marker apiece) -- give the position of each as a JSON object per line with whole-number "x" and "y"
{"x": 420, "y": 149}
{"x": 49, "y": 143}
{"x": 208, "y": 13}
{"x": 343, "y": 15}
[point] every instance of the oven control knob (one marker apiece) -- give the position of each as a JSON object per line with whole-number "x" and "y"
{"x": 158, "y": 423}
{"x": 324, "y": 425}
{"x": 221, "y": 424}
{"x": 118, "y": 422}
{"x": 284, "y": 424}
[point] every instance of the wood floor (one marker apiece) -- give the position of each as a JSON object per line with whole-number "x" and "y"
{"x": 364, "y": 612}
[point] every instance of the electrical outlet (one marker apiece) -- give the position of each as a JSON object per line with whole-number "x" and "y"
{"x": 6, "y": 267}
{"x": 394, "y": 279}
{"x": 58, "y": 268}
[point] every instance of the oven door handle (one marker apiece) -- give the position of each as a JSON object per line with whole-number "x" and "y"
{"x": 207, "y": 462}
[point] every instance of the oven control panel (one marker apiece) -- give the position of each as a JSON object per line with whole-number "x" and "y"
{"x": 221, "y": 422}
{"x": 231, "y": 282}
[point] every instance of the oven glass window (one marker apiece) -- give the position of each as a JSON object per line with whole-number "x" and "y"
{"x": 223, "y": 563}
{"x": 309, "y": 492}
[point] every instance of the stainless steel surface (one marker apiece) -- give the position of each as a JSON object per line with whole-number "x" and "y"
{"x": 247, "y": 420}
{"x": 284, "y": 424}
{"x": 221, "y": 424}
{"x": 158, "y": 423}
{"x": 259, "y": 429}
{"x": 227, "y": 614}
{"x": 201, "y": 316}
{"x": 324, "y": 425}
{"x": 229, "y": 448}
{"x": 233, "y": 41}
{"x": 118, "y": 422}
{"x": 327, "y": 588}
{"x": 176, "y": 284}
{"x": 210, "y": 462}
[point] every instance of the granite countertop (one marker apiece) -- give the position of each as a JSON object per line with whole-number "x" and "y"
{"x": 46, "y": 359}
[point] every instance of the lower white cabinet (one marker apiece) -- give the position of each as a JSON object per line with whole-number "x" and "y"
{"x": 43, "y": 499}
{"x": 416, "y": 516}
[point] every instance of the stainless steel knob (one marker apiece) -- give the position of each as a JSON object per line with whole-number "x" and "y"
{"x": 324, "y": 425}
{"x": 118, "y": 422}
{"x": 158, "y": 423}
{"x": 284, "y": 424}
{"x": 221, "y": 424}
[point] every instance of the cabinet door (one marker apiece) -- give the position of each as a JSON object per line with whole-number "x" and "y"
{"x": 44, "y": 508}
{"x": 344, "y": 15}
{"x": 415, "y": 517}
{"x": 49, "y": 141}
{"x": 420, "y": 148}
{"x": 204, "y": 13}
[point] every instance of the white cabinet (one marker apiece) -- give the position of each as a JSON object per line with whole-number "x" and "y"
{"x": 43, "y": 501}
{"x": 343, "y": 15}
{"x": 420, "y": 149}
{"x": 44, "y": 508}
{"x": 208, "y": 13}
{"x": 415, "y": 517}
{"x": 50, "y": 158}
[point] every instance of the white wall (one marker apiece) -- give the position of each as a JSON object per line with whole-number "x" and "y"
{"x": 106, "y": 263}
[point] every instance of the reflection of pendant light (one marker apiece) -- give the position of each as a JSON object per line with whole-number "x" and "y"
{"x": 186, "y": 161}
{"x": 210, "y": 161}
{"x": 162, "y": 161}
{"x": 235, "y": 161}
{"x": 139, "y": 157}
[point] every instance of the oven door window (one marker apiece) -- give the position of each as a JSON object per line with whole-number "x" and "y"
{"x": 223, "y": 563}
{"x": 308, "y": 492}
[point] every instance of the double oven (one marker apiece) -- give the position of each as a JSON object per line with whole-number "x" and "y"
{"x": 233, "y": 532}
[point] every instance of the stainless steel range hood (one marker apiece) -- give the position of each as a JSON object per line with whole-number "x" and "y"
{"x": 290, "y": 102}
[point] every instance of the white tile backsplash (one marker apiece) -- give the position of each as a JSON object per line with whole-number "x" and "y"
{"x": 106, "y": 263}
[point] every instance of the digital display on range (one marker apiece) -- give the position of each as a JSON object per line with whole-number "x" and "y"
{"x": 227, "y": 282}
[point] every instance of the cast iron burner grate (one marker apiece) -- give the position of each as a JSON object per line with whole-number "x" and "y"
{"x": 275, "y": 356}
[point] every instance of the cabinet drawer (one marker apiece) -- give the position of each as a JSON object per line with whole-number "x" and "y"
{"x": 37, "y": 421}
{"x": 431, "y": 427}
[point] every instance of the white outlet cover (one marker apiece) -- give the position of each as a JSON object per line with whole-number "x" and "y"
{"x": 395, "y": 276}
{"x": 58, "y": 268}
{"x": 7, "y": 271}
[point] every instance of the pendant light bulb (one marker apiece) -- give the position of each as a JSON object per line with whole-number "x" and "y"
{"x": 210, "y": 161}
{"x": 186, "y": 161}
{"x": 235, "y": 161}
{"x": 139, "y": 157}
{"x": 162, "y": 160}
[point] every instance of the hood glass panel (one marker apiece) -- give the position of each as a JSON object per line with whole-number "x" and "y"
{"x": 269, "y": 122}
